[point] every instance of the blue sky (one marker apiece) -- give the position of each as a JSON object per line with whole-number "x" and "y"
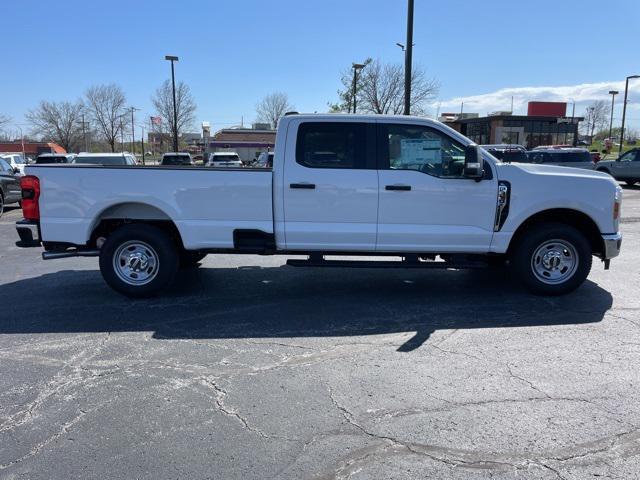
{"x": 233, "y": 52}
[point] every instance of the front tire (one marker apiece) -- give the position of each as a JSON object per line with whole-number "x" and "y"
{"x": 552, "y": 259}
{"x": 138, "y": 260}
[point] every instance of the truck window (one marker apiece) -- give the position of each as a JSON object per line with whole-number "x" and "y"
{"x": 331, "y": 145}
{"x": 414, "y": 147}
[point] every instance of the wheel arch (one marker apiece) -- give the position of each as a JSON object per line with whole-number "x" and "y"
{"x": 575, "y": 218}
{"x": 112, "y": 217}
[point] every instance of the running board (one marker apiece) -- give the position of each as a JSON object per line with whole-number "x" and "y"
{"x": 316, "y": 262}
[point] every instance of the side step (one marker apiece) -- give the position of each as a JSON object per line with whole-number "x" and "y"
{"x": 319, "y": 261}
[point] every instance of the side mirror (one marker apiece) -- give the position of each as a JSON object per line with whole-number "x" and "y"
{"x": 473, "y": 162}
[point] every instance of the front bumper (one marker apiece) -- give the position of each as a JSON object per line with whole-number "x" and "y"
{"x": 29, "y": 233}
{"x": 612, "y": 243}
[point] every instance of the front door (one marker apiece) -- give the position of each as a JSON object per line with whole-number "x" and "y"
{"x": 426, "y": 205}
{"x": 10, "y": 183}
{"x": 627, "y": 166}
{"x": 330, "y": 186}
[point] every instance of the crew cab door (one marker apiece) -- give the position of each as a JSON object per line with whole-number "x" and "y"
{"x": 426, "y": 205}
{"x": 330, "y": 186}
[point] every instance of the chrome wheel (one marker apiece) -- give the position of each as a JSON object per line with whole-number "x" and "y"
{"x": 555, "y": 261}
{"x": 136, "y": 263}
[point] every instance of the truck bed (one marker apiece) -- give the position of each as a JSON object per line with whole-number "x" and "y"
{"x": 205, "y": 204}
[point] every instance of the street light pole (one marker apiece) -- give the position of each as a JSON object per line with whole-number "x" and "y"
{"x": 173, "y": 58}
{"x": 356, "y": 67}
{"x": 407, "y": 59}
{"x": 624, "y": 110}
{"x": 613, "y": 94}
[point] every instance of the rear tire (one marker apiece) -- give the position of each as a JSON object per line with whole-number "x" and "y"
{"x": 138, "y": 260}
{"x": 552, "y": 259}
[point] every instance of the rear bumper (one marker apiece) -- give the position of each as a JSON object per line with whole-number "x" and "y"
{"x": 612, "y": 244}
{"x": 29, "y": 233}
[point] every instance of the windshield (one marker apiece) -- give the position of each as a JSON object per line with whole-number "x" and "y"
{"x": 176, "y": 160}
{"x": 100, "y": 160}
{"x": 226, "y": 158}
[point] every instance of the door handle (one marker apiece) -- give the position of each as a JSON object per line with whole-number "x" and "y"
{"x": 402, "y": 188}
{"x": 305, "y": 186}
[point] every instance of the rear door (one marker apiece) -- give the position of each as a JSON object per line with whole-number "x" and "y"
{"x": 426, "y": 205}
{"x": 330, "y": 186}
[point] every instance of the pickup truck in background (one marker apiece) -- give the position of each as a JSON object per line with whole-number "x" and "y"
{"x": 341, "y": 185}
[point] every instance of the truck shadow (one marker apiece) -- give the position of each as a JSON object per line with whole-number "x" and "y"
{"x": 280, "y": 301}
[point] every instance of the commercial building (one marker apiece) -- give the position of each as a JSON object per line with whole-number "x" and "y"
{"x": 248, "y": 143}
{"x": 546, "y": 123}
{"x": 30, "y": 149}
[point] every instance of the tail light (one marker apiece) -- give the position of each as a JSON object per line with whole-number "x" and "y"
{"x": 30, "y": 186}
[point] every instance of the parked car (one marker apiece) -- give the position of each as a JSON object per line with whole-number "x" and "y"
{"x": 562, "y": 157}
{"x": 626, "y": 168}
{"x": 224, "y": 159}
{"x": 507, "y": 153}
{"x": 106, "y": 159}
{"x": 10, "y": 191}
{"x": 16, "y": 160}
{"x": 426, "y": 195}
{"x": 265, "y": 160}
{"x": 179, "y": 159}
{"x": 49, "y": 158}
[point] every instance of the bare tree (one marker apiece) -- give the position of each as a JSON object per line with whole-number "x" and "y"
{"x": 185, "y": 107}
{"x": 59, "y": 122}
{"x": 380, "y": 89}
{"x": 106, "y": 105}
{"x": 272, "y": 108}
{"x": 4, "y": 119}
{"x": 597, "y": 115}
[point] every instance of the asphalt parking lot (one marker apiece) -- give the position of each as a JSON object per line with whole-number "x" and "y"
{"x": 250, "y": 369}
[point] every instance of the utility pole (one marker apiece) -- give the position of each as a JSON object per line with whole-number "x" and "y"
{"x": 133, "y": 131}
{"x": 173, "y": 58}
{"x": 121, "y": 136}
{"x": 407, "y": 59}
{"x": 624, "y": 110}
{"x": 142, "y": 142}
{"x": 84, "y": 135}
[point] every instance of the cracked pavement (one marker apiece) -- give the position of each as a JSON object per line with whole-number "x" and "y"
{"x": 249, "y": 369}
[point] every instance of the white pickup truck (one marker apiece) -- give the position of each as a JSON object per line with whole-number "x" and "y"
{"x": 342, "y": 185}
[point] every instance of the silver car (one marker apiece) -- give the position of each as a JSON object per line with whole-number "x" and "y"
{"x": 625, "y": 168}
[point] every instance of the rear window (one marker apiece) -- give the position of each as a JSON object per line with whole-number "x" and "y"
{"x": 331, "y": 145}
{"x": 101, "y": 160}
{"x": 509, "y": 156}
{"x": 43, "y": 160}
